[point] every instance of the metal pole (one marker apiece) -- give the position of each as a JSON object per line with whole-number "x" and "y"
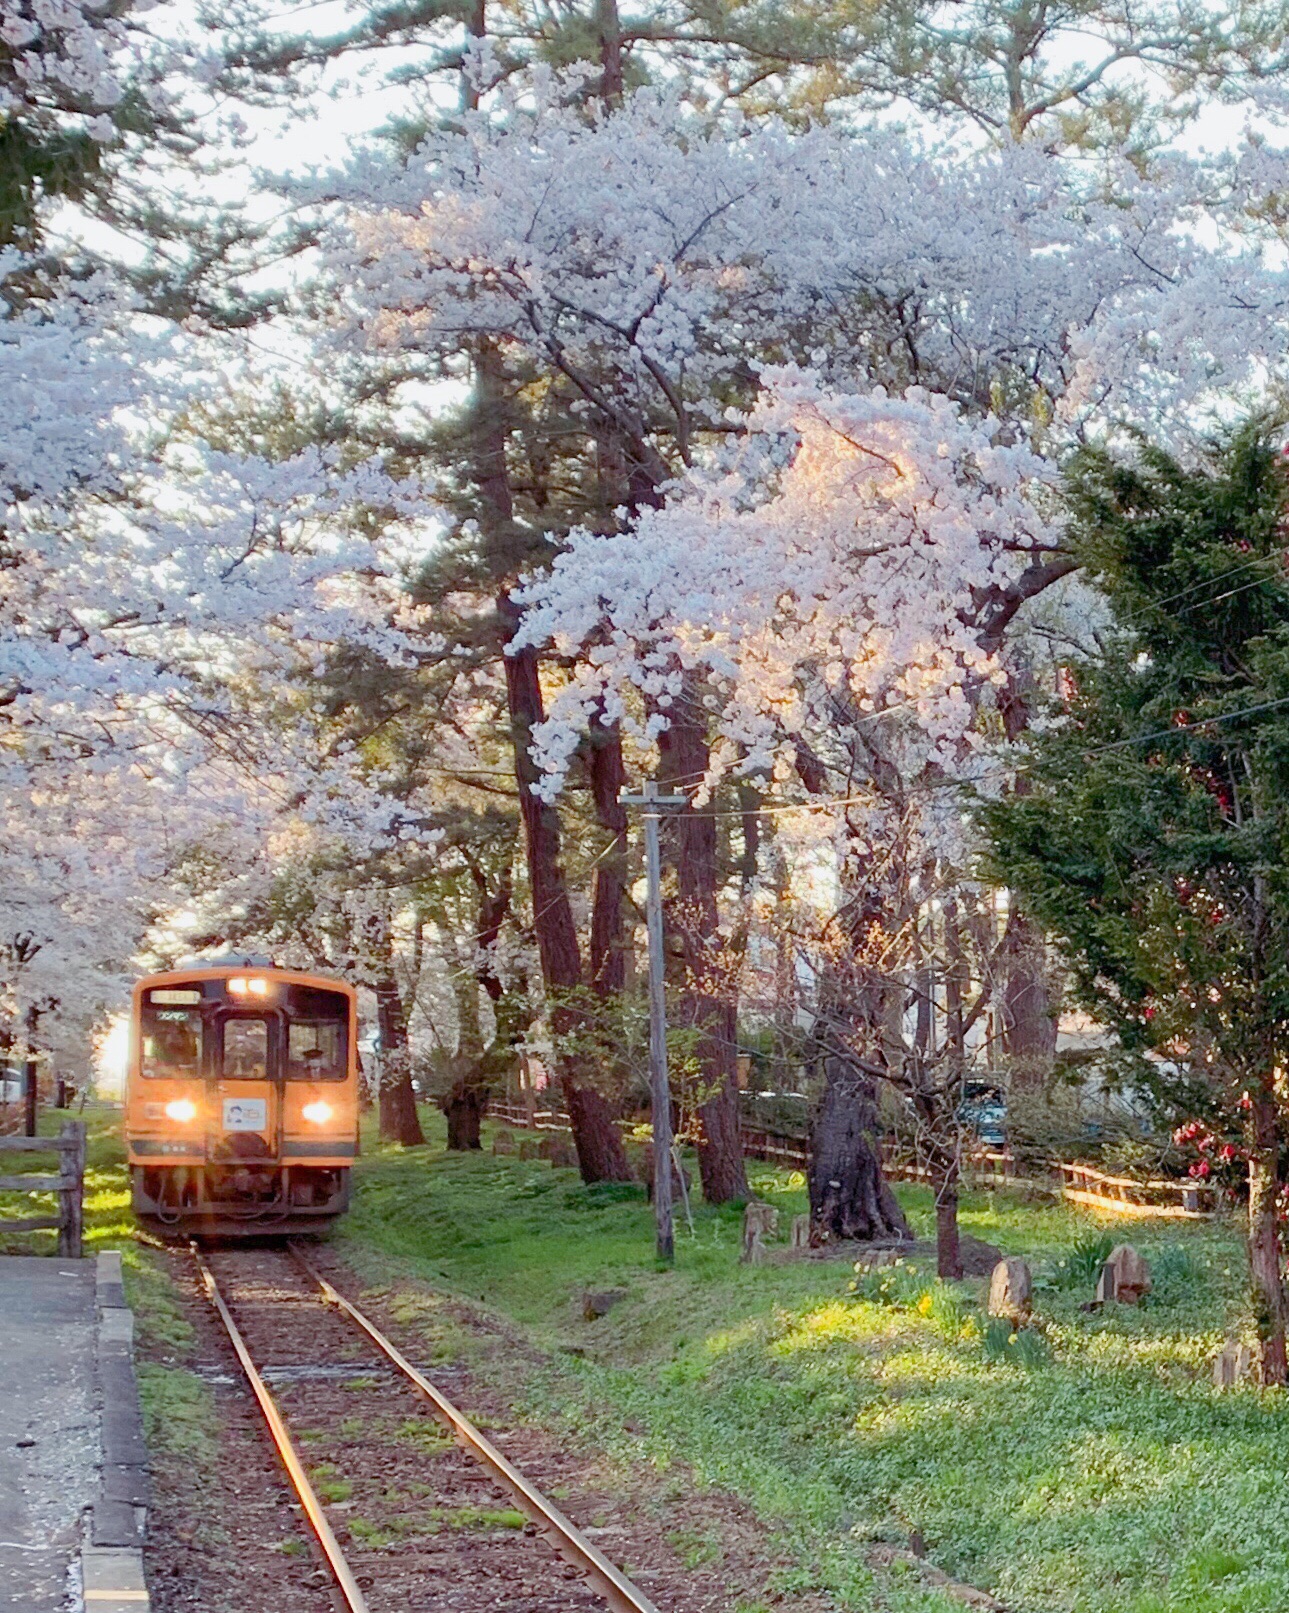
{"x": 659, "y": 1085}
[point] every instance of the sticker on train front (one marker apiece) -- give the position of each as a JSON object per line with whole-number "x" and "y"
{"x": 245, "y": 1114}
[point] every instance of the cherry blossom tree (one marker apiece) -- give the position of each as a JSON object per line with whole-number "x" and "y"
{"x": 636, "y": 261}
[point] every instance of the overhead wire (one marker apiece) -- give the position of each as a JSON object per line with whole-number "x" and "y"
{"x": 826, "y": 803}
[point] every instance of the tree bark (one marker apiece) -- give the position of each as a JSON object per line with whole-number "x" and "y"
{"x": 463, "y": 1109}
{"x": 399, "y": 1121}
{"x": 948, "y": 1248}
{"x": 1264, "y": 1239}
{"x": 849, "y": 1196}
{"x": 1029, "y": 1025}
{"x": 610, "y": 32}
{"x": 600, "y": 1153}
{"x": 607, "y": 958}
{"x": 708, "y": 996}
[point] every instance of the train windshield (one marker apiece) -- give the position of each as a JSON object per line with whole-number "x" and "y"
{"x": 246, "y": 1049}
{"x": 171, "y": 1042}
{"x": 315, "y": 1051}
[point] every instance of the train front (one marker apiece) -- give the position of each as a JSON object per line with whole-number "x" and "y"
{"x": 242, "y": 1100}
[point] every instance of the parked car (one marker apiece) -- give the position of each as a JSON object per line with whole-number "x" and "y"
{"x": 984, "y": 1110}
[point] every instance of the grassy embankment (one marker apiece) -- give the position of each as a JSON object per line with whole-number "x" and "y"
{"x": 1096, "y": 1473}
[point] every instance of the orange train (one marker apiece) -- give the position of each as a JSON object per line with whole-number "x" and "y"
{"x": 241, "y": 1108}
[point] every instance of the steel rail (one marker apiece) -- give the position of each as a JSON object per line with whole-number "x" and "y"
{"x": 344, "y": 1575}
{"x": 576, "y": 1550}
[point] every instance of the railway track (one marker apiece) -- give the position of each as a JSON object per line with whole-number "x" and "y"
{"x": 357, "y": 1425}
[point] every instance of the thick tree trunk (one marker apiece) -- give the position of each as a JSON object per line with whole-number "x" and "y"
{"x": 599, "y": 1145}
{"x": 707, "y": 1000}
{"x": 1029, "y": 1025}
{"x": 463, "y": 1108}
{"x": 399, "y": 1121}
{"x": 1264, "y": 1239}
{"x": 600, "y": 1153}
{"x": 849, "y": 1196}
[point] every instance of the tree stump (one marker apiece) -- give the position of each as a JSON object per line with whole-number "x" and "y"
{"x": 1125, "y": 1277}
{"x": 1011, "y": 1290}
{"x": 1234, "y": 1363}
{"x": 504, "y": 1142}
{"x": 760, "y": 1221}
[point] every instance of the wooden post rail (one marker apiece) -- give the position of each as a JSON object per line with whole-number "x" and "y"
{"x": 69, "y": 1184}
{"x": 1078, "y": 1184}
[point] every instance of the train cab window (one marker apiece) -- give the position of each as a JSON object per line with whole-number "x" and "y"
{"x": 246, "y": 1049}
{"x": 315, "y": 1052}
{"x": 171, "y": 1043}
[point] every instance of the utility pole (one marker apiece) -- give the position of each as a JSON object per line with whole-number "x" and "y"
{"x": 659, "y": 1086}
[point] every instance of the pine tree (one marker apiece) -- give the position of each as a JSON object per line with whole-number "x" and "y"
{"x": 1153, "y": 841}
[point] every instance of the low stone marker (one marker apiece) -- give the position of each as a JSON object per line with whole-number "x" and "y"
{"x": 1125, "y": 1277}
{"x": 1234, "y": 1363}
{"x": 557, "y": 1149}
{"x": 800, "y": 1231}
{"x": 504, "y": 1142}
{"x": 597, "y": 1302}
{"x": 1011, "y": 1289}
{"x": 760, "y": 1221}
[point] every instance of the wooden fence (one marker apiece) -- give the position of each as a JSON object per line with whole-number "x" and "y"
{"x": 69, "y": 1184}
{"x": 1126, "y": 1195}
{"x": 985, "y": 1167}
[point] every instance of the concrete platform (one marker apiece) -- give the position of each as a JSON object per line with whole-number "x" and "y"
{"x": 49, "y": 1427}
{"x": 73, "y": 1468}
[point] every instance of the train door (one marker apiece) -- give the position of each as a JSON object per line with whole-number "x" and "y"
{"x": 246, "y": 1114}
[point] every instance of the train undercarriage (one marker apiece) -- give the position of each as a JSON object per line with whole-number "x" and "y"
{"x": 239, "y": 1199}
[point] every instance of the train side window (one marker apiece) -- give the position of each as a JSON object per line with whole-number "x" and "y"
{"x": 171, "y": 1043}
{"x": 246, "y": 1049}
{"x": 315, "y": 1051}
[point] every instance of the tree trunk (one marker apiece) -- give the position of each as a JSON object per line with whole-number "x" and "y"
{"x": 1264, "y": 1239}
{"x": 607, "y": 955}
{"x": 1029, "y": 1025}
{"x": 849, "y": 1196}
{"x": 708, "y": 996}
{"x": 610, "y": 32}
{"x": 948, "y": 1250}
{"x": 600, "y": 1153}
{"x": 599, "y": 1145}
{"x": 30, "y": 1084}
{"x": 399, "y": 1121}
{"x": 463, "y": 1108}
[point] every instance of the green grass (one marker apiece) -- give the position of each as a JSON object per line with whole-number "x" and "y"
{"x": 329, "y": 1485}
{"x": 1088, "y": 1467}
{"x": 178, "y": 1413}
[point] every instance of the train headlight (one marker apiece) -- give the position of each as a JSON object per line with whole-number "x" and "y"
{"x": 248, "y": 986}
{"x": 181, "y": 1109}
{"x": 318, "y": 1112}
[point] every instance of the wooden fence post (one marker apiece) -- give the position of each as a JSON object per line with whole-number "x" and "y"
{"x": 71, "y": 1232}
